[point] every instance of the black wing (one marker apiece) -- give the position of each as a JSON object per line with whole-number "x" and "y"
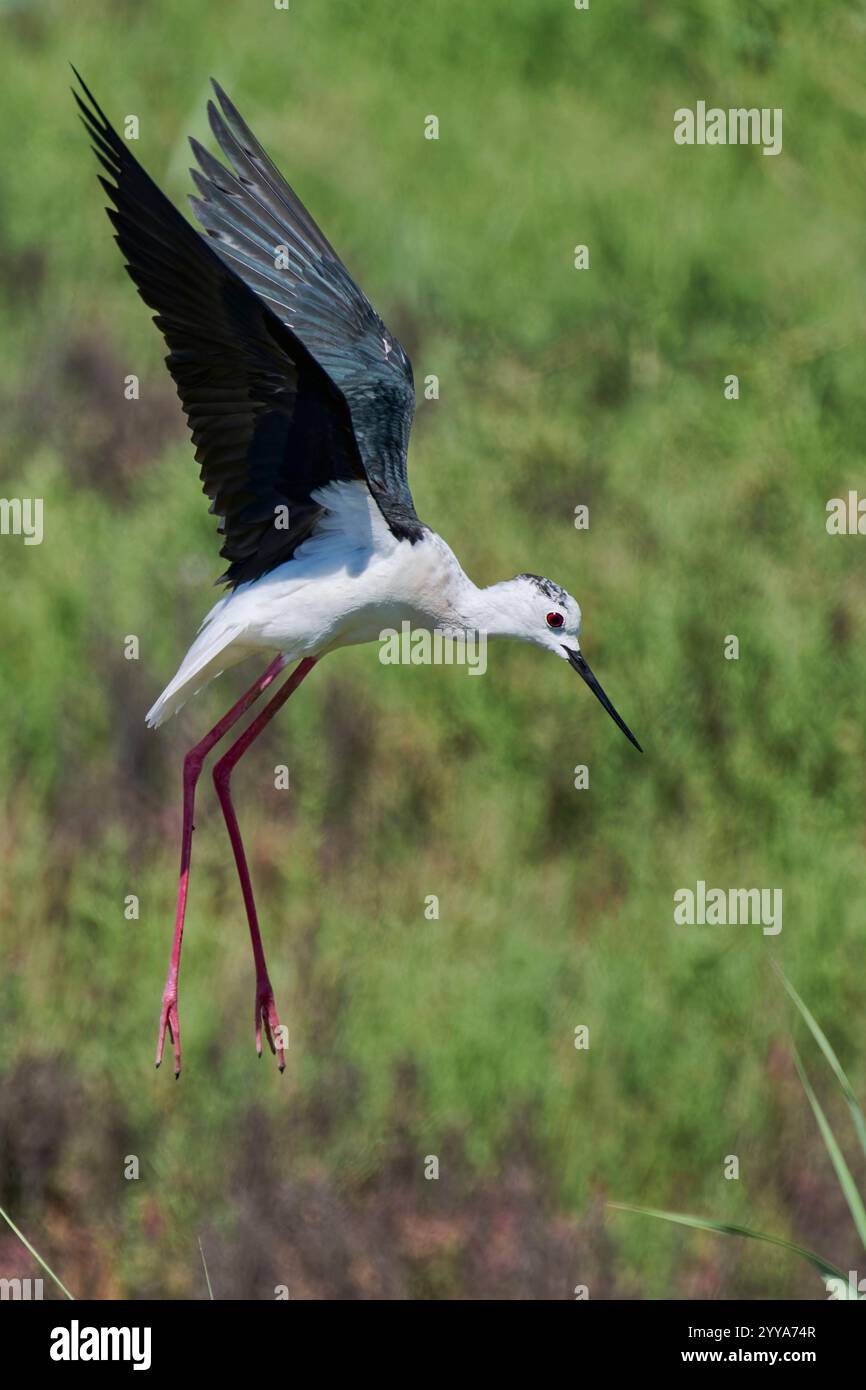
{"x": 263, "y": 231}
{"x": 269, "y": 421}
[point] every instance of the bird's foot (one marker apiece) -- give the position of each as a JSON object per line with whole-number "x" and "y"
{"x": 267, "y": 1017}
{"x": 169, "y": 1019}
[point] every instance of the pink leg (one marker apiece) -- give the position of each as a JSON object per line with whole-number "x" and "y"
{"x": 192, "y": 765}
{"x": 266, "y": 1010}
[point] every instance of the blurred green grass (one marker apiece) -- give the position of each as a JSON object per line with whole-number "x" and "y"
{"x": 452, "y": 1037}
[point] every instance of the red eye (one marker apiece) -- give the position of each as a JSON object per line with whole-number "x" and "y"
{"x": 555, "y": 620}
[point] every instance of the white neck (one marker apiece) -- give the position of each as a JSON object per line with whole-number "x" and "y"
{"x": 489, "y": 610}
{"x": 444, "y": 596}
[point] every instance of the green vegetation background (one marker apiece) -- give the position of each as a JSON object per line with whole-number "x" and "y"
{"x": 455, "y": 1037}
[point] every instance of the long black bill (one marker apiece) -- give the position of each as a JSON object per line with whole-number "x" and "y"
{"x": 578, "y": 662}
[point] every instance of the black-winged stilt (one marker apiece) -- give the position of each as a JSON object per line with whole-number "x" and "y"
{"x": 299, "y": 402}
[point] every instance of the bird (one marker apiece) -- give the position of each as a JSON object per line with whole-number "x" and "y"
{"x": 299, "y": 402}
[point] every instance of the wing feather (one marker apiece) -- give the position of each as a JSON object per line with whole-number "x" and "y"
{"x": 262, "y": 230}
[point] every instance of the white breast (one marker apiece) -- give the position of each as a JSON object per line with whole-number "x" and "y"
{"x": 351, "y": 579}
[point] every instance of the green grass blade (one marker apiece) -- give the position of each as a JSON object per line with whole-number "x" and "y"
{"x": 825, "y": 1268}
{"x": 204, "y": 1263}
{"x": 26, "y": 1243}
{"x": 823, "y": 1042}
{"x": 837, "y": 1158}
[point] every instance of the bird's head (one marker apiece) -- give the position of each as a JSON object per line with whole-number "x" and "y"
{"x": 540, "y": 611}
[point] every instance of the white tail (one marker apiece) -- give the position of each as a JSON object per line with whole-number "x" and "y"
{"x": 211, "y": 653}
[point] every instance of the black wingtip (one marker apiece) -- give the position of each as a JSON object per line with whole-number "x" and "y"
{"x": 215, "y": 120}
{"x": 202, "y": 157}
{"x": 90, "y": 97}
{"x": 84, "y": 87}
{"x": 236, "y": 123}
